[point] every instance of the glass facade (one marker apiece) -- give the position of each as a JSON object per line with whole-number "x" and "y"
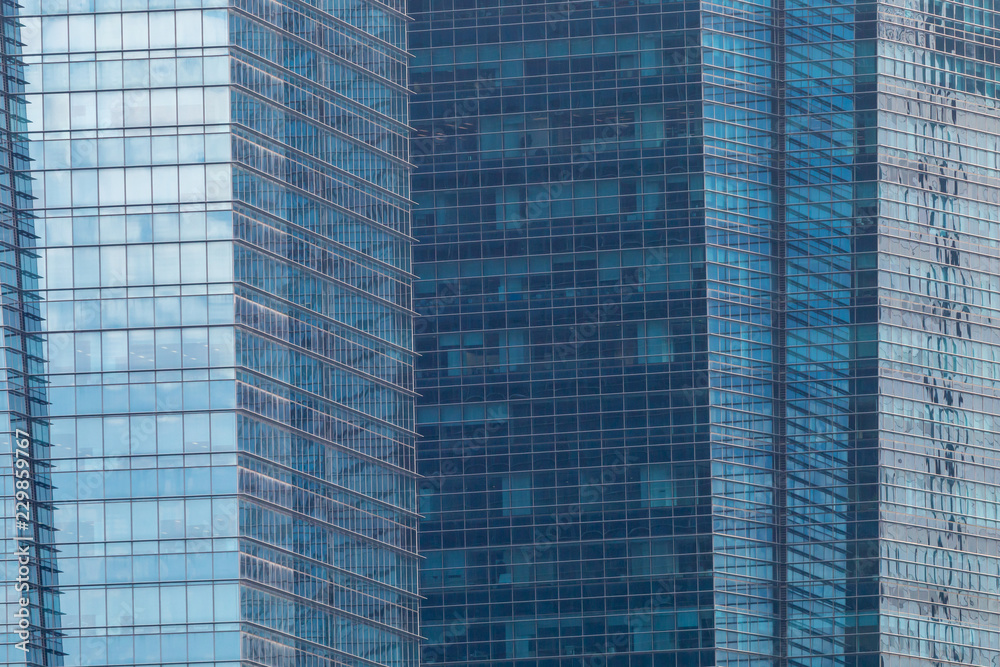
{"x": 706, "y": 300}
{"x": 830, "y": 527}
{"x": 223, "y": 213}
{"x": 938, "y": 283}
{"x": 577, "y": 397}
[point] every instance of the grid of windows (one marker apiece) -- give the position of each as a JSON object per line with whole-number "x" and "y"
{"x": 937, "y": 282}
{"x": 831, "y": 527}
{"x": 563, "y": 335}
{"x": 222, "y": 191}
{"x": 707, "y": 297}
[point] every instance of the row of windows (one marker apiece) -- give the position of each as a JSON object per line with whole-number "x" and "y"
{"x": 146, "y": 568}
{"x": 145, "y": 520}
{"x": 579, "y": 635}
{"x": 312, "y": 177}
{"x": 972, "y": 13}
{"x": 315, "y": 103}
{"x": 690, "y": 413}
{"x": 665, "y": 66}
{"x": 940, "y": 139}
{"x": 395, "y": 415}
{"x": 379, "y": 440}
{"x": 317, "y": 376}
{"x": 114, "y": 75}
{"x": 321, "y": 589}
{"x": 305, "y": 210}
{"x": 945, "y": 357}
{"x": 87, "y": 33}
{"x": 936, "y": 536}
{"x": 267, "y": 647}
{"x": 337, "y": 261}
{"x": 347, "y": 591}
{"x": 911, "y": 110}
{"x": 58, "y": 112}
{"x": 328, "y": 545}
{"x": 130, "y": 649}
{"x": 970, "y": 288}
{"x": 926, "y": 437}
{"x": 547, "y": 648}
{"x": 913, "y": 186}
{"x": 322, "y": 625}
{"x": 167, "y": 434}
{"x": 971, "y": 574}
{"x": 117, "y": 313}
{"x": 343, "y": 152}
{"x": 63, "y": 7}
{"x": 385, "y": 61}
{"x": 967, "y": 221}
{"x": 138, "y": 350}
{"x": 315, "y": 292}
{"x": 945, "y": 77}
{"x": 598, "y": 599}
{"x": 333, "y": 463}
{"x": 928, "y": 638}
{"x": 961, "y": 168}
{"x": 347, "y": 347}
{"x": 149, "y": 397}
{"x": 134, "y": 185}
{"x": 982, "y": 470}
{"x": 528, "y": 564}
{"x": 150, "y": 605}
{"x": 542, "y": 264}
{"x": 347, "y": 229}
{"x": 653, "y": 48}
{"x": 131, "y": 152}
{"x": 135, "y": 265}
{"x": 492, "y": 219}
{"x": 387, "y": 23}
{"x": 524, "y": 25}
{"x": 904, "y": 598}
{"x": 115, "y": 229}
{"x": 311, "y": 64}
{"x": 337, "y": 510}
{"x": 939, "y": 509}
{"x": 438, "y": 190}
{"x": 281, "y": 486}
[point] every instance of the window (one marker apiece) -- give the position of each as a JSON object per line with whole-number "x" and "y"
{"x": 654, "y": 345}
{"x": 516, "y": 494}
{"x": 657, "y": 488}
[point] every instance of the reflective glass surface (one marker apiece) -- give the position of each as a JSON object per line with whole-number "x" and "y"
{"x": 830, "y": 519}
{"x": 706, "y": 299}
{"x": 224, "y": 231}
{"x": 938, "y": 284}
{"x": 566, "y": 312}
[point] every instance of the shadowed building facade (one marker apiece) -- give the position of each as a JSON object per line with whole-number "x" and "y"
{"x": 706, "y": 328}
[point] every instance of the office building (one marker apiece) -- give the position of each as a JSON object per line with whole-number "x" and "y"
{"x": 223, "y": 216}
{"x": 707, "y": 330}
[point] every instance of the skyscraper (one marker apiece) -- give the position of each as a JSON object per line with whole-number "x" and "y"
{"x": 224, "y": 235}
{"x": 706, "y": 306}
